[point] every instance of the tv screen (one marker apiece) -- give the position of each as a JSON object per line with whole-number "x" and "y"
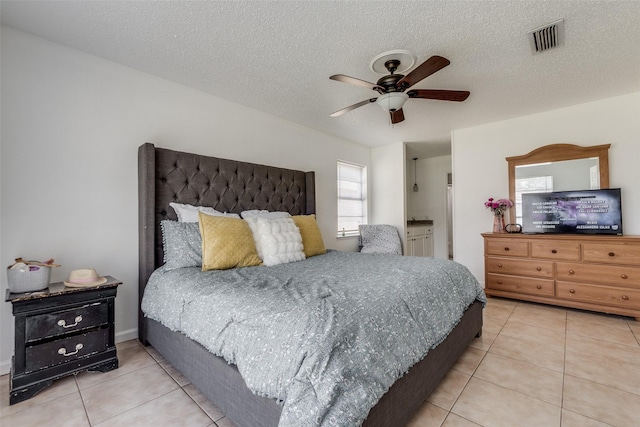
{"x": 579, "y": 212}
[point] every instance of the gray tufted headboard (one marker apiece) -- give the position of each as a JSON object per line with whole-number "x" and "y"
{"x": 166, "y": 176}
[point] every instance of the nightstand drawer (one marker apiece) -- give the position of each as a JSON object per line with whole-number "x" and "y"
{"x": 66, "y": 350}
{"x": 66, "y": 321}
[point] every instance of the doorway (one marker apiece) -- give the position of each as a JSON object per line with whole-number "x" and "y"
{"x": 449, "y": 205}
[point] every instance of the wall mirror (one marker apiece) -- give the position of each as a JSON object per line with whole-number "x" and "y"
{"x": 557, "y": 167}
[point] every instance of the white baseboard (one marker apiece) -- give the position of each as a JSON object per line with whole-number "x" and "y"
{"x": 130, "y": 334}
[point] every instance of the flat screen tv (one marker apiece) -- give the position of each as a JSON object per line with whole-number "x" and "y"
{"x": 577, "y": 212}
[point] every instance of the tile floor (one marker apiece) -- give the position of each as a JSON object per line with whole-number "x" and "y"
{"x": 534, "y": 365}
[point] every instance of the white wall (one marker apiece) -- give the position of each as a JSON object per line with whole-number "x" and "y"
{"x": 430, "y": 202}
{"x": 71, "y": 127}
{"x": 480, "y": 168}
{"x": 388, "y": 205}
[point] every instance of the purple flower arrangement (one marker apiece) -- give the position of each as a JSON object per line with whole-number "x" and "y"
{"x": 498, "y": 207}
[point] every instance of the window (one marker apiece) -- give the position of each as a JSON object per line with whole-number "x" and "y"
{"x": 534, "y": 184}
{"x": 352, "y": 198}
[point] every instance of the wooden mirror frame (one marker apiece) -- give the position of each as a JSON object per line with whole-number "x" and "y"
{"x": 556, "y": 153}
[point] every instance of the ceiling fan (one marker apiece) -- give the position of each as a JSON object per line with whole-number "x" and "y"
{"x": 392, "y": 87}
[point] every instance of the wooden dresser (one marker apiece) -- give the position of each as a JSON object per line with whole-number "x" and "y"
{"x": 600, "y": 273}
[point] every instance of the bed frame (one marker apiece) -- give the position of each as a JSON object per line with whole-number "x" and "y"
{"x": 166, "y": 176}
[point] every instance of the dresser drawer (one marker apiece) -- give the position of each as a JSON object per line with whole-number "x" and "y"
{"x": 594, "y": 273}
{"x": 523, "y": 285}
{"x": 66, "y": 350}
{"x": 66, "y": 321}
{"x": 596, "y": 294}
{"x": 611, "y": 253}
{"x": 534, "y": 268}
{"x": 566, "y": 251}
{"x": 507, "y": 247}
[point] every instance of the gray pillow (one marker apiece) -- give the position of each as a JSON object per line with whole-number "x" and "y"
{"x": 380, "y": 239}
{"x": 182, "y": 244}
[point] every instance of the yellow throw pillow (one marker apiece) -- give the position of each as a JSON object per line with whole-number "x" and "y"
{"x": 226, "y": 243}
{"x": 311, "y": 237}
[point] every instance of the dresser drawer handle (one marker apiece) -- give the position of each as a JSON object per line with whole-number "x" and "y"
{"x": 612, "y": 254}
{"x": 539, "y": 268}
{"x": 624, "y": 276}
{"x": 572, "y": 272}
{"x": 499, "y": 282}
{"x": 572, "y": 291}
{"x": 62, "y": 323}
{"x": 499, "y": 265}
{"x": 553, "y": 251}
{"x": 539, "y": 286}
{"x": 624, "y": 297}
{"x": 506, "y": 248}
{"x": 63, "y": 351}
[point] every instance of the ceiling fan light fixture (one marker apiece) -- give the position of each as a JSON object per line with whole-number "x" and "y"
{"x": 392, "y": 101}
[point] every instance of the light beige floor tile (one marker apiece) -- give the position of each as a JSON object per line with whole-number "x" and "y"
{"x": 454, "y": 420}
{"x": 523, "y": 377}
{"x": 602, "y": 332}
{"x": 207, "y": 406}
{"x": 548, "y": 337}
{"x": 469, "y": 360}
{"x": 600, "y": 402}
{"x": 130, "y": 358}
{"x": 110, "y": 398}
{"x": 495, "y": 317}
{"x": 528, "y": 351}
{"x": 65, "y": 411}
{"x": 484, "y": 342}
{"x": 57, "y": 390}
{"x": 449, "y": 389}
{"x": 428, "y": 415}
{"x": 635, "y": 328}
{"x": 538, "y": 310}
{"x": 573, "y": 419}
{"x": 155, "y": 354}
{"x": 127, "y": 344}
{"x": 173, "y": 409}
{"x": 491, "y": 405}
{"x": 597, "y": 318}
{"x": 557, "y": 322}
{"x": 613, "y": 365}
{"x": 175, "y": 374}
{"x": 502, "y": 302}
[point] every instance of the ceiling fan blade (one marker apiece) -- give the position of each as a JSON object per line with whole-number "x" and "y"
{"x": 397, "y": 116}
{"x": 352, "y": 80}
{"x": 424, "y": 70}
{"x": 352, "y": 107}
{"x": 442, "y": 95}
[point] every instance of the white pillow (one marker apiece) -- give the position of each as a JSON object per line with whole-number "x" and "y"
{"x": 189, "y": 213}
{"x": 264, "y": 214}
{"x": 278, "y": 240}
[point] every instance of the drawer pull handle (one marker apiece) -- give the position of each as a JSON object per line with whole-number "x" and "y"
{"x": 62, "y": 323}
{"x": 553, "y": 251}
{"x": 499, "y": 265}
{"x": 63, "y": 351}
{"x": 572, "y": 291}
{"x": 624, "y": 276}
{"x": 539, "y": 268}
{"x": 572, "y": 272}
{"x": 507, "y": 248}
{"x": 539, "y": 286}
{"x": 624, "y": 297}
{"x": 499, "y": 282}
{"x": 612, "y": 254}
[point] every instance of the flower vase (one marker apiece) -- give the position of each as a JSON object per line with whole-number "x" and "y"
{"x": 498, "y": 224}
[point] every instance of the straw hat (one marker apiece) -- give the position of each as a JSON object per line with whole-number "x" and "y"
{"x": 84, "y": 278}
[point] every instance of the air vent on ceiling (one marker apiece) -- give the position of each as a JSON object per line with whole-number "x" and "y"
{"x": 547, "y": 37}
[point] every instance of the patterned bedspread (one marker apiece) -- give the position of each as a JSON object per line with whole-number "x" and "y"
{"x": 326, "y": 336}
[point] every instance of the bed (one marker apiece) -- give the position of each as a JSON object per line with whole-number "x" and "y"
{"x": 167, "y": 176}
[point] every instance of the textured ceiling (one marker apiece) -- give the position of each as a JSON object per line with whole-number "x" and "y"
{"x": 277, "y": 56}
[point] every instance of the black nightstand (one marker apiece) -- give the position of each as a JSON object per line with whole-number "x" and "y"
{"x": 61, "y": 331}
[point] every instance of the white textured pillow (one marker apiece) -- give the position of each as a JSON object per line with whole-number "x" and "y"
{"x": 278, "y": 240}
{"x": 264, "y": 214}
{"x": 189, "y": 213}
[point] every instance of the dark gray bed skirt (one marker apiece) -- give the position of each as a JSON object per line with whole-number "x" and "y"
{"x": 223, "y": 385}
